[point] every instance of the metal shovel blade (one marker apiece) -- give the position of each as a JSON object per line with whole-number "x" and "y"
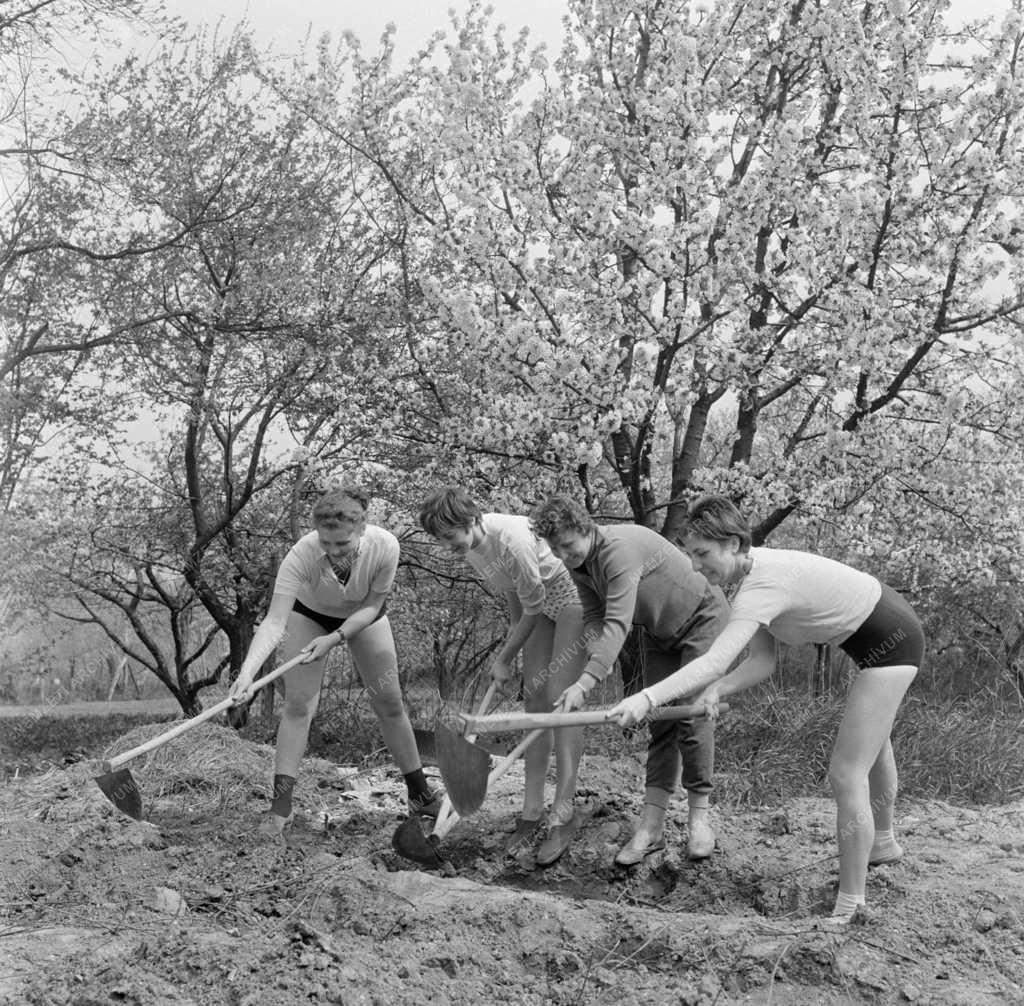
{"x": 120, "y": 788}
{"x": 464, "y": 768}
{"x": 411, "y": 841}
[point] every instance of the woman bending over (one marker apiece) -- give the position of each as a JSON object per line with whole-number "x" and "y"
{"x": 798, "y": 597}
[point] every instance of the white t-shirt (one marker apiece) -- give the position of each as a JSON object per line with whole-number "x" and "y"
{"x": 512, "y": 559}
{"x": 306, "y": 573}
{"x": 804, "y": 598}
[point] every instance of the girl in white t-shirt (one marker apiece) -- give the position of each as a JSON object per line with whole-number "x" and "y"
{"x": 546, "y": 625}
{"x": 797, "y": 597}
{"x": 330, "y": 589}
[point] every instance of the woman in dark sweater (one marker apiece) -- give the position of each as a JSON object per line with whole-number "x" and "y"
{"x": 627, "y": 576}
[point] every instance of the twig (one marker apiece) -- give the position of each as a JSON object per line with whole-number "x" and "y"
{"x": 288, "y": 881}
{"x": 775, "y": 970}
{"x": 887, "y": 950}
{"x": 803, "y": 866}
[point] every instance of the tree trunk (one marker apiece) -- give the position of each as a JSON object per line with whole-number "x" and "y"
{"x": 631, "y": 662}
{"x": 821, "y": 676}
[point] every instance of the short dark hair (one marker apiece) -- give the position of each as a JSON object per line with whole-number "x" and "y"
{"x": 341, "y": 507}
{"x": 716, "y": 518}
{"x": 560, "y": 513}
{"x": 448, "y": 507}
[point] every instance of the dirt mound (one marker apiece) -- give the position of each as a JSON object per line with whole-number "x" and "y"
{"x": 192, "y": 907}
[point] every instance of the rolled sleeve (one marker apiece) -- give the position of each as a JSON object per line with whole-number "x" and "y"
{"x": 383, "y": 577}
{"x": 520, "y": 560}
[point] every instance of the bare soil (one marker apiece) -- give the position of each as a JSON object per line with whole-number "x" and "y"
{"x": 193, "y": 907}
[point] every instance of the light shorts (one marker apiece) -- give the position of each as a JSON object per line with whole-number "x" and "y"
{"x": 559, "y": 593}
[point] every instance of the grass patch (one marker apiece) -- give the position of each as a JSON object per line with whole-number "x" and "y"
{"x": 56, "y": 736}
{"x": 771, "y": 746}
{"x": 774, "y": 746}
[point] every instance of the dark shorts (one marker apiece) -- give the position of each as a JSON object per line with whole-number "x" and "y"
{"x": 329, "y": 623}
{"x": 891, "y": 636}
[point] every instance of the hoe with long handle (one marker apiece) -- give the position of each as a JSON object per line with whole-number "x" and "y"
{"x": 118, "y": 784}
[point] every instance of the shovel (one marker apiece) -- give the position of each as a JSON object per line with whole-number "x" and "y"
{"x": 412, "y": 841}
{"x": 465, "y": 774}
{"x": 464, "y": 766}
{"x": 119, "y": 786}
{"x": 443, "y": 751}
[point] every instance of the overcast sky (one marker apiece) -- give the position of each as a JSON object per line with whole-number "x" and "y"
{"x": 284, "y": 24}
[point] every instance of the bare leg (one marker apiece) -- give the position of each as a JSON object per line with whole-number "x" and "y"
{"x": 301, "y": 696}
{"x": 860, "y": 746}
{"x": 536, "y": 655}
{"x": 567, "y": 661}
{"x": 373, "y": 652}
{"x": 882, "y": 783}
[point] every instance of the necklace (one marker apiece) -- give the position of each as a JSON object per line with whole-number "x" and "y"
{"x": 731, "y": 588}
{"x": 342, "y": 568}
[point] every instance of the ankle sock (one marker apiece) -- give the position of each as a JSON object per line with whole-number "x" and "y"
{"x": 885, "y": 848}
{"x": 846, "y": 905}
{"x": 416, "y": 784}
{"x": 281, "y": 802}
{"x": 697, "y": 803}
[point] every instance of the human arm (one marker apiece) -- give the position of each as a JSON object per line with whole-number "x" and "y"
{"x": 607, "y": 617}
{"x": 695, "y": 676}
{"x": 593, "y": 625}
{"x": 755, "y": 668}
{"x": 617, "y": 569}
{"x": 522, "y": 624}
{"x": 366, "y": 614}
{"x": 264, "y": 641}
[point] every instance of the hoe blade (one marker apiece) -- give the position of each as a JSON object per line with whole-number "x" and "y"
{"x": 120, "y": 788}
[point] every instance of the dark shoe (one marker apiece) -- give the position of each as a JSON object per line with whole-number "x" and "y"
{"x": 630, "y": 854}
{"x": 523, "y": 835}
{"x": 426, "y": 805}
{"x": 559, "y": 838}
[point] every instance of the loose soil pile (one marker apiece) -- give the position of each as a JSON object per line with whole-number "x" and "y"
{"x": 193, "y": 907}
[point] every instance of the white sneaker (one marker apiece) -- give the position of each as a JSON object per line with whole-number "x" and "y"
{"x": 701, "y": 838}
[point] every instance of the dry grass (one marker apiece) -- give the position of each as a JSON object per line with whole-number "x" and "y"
{"x": 207, "y": 769}
{"x": 775, "y": 745}
{"x": 962, "y": 751}
{"x": 211, "y": 765}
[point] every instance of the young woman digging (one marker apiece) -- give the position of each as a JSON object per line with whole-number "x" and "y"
{"x": 630, "y": 577}
{"x": 798, "y": 597}
{"x": 330, "y": 590}
{"x": 546, "y": 625}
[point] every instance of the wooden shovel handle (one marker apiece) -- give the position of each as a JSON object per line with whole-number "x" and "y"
{"x": 500, "y": 722}
{"x": 179, "y": 728}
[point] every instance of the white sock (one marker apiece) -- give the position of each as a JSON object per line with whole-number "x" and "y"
{"x": 697, "y": 804}
{"x": 846, "y": 905}
{"x": 885, "y": 847}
